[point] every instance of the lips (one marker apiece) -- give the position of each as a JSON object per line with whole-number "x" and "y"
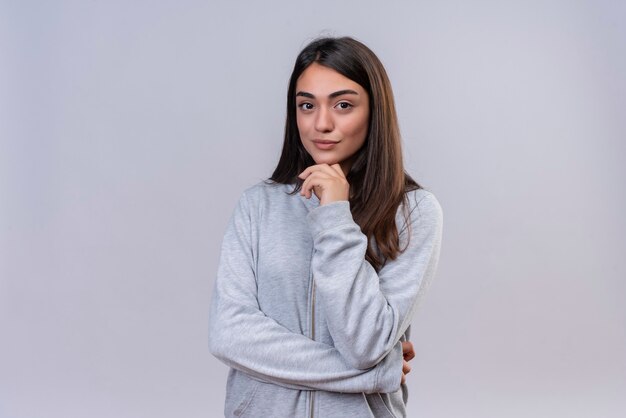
{"x": 324, "y": 144}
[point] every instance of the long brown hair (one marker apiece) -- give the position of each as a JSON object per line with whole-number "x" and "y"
{"x": 378, "y": 182}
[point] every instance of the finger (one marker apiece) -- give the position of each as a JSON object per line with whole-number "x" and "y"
{"x": 324, "y": 168}
{"x": 403, "y": 381}
{"x": 305, "y": 189}
{"x": 407, "y": 350}
{"x": 332, "y": 170}
{"x": 315, "y": 179}
{"x": 305, "y": 173}
{"x": 406, "y": 368}
{"x": 310, "y": 169}
{"x": 326, "y": 174}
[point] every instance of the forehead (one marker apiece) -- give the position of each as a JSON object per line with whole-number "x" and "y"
{"x": 320, "y": 80}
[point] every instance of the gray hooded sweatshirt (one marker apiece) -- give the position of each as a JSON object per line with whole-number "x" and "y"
{"x": 306, "y": 324}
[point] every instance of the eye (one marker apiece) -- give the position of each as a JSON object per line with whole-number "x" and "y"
{"x": 343, "y": 105}
{"x": 305, "y": 106}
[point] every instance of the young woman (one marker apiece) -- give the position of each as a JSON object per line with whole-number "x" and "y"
{"x": 322, "y": 265}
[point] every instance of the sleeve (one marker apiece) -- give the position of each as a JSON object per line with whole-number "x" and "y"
{"x": 367, "y": 312}
{"x": 244, "y": 338}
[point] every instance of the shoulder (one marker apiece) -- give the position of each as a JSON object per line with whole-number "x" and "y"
{"x": 265, "y": 188}
{"x": 263, "y": 193}
{"x": 422, "y": 206}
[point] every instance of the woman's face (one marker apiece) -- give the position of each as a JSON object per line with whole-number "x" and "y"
{"x": 332, "y": 115}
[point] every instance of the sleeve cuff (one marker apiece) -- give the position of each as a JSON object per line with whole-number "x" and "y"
{"x": 329, "y": 216}
{"x": 389, "y": 374}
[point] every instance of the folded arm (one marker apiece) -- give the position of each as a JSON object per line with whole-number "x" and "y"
{"x": 367, "y": 312}
{"x": 244, "y": 338}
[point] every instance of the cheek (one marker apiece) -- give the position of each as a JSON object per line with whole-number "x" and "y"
{"x": 357, "y": 128}
{"x": 301, "y": 123}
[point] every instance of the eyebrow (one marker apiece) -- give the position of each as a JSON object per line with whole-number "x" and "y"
{"x": 331, "y": 95}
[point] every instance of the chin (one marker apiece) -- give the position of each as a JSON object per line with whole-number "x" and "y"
{"x": 329, "y": 161}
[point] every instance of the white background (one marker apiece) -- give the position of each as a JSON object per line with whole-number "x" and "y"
{"x": 128, "y": 130}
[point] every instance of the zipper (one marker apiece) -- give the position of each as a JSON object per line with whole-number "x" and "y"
{"x": 312, "y": 402}
{"x": 312, "y": 309}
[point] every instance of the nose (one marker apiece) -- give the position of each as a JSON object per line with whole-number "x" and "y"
{"x": 324, "y": 120}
